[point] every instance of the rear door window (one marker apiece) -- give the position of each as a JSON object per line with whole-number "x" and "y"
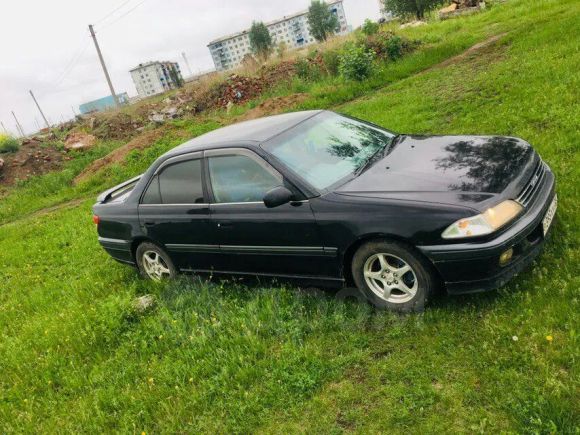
{"x": 179, "y": 183}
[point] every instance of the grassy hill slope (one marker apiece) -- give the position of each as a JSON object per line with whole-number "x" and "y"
{"x": 220, "y": 356}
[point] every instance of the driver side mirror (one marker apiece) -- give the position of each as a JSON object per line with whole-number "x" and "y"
{"x": 278, "y": 196}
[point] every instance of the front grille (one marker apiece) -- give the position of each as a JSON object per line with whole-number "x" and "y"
{"x": 533, "y": 185}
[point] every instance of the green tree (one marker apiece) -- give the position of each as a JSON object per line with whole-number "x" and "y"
{"x": 411, "y": 7}
{"x": 175, "y": 76}
{"x": 260, "y": 40}
{"x": 321, "y": 20}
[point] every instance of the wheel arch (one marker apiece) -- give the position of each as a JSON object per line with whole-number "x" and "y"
{"x": 355, "y": 245}
{"x": 139, "y": 240}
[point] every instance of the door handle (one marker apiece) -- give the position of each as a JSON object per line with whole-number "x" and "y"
{"x": 149, "y": 224}
{"x": 225, "y": 225}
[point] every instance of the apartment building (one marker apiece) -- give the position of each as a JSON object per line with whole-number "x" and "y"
{"x": 156, "y": 77}
{"x": 228, "y": 52}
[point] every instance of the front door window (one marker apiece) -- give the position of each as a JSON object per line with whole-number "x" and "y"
{"x": 240, "y": 178}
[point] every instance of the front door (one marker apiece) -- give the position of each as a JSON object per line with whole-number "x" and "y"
{"x": 174, "y": 212}
{"x": 284, "y": 240}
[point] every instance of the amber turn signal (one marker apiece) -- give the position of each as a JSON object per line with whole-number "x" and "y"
{"x": 506, "y": 257}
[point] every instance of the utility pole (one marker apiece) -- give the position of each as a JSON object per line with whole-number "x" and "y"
{"x": 18, "y": 126}
{"x": 40, "y": 110}
{"x": 4, "y": 127}
{"x": 115, "y": 98}
{"x": 187, "y": 63}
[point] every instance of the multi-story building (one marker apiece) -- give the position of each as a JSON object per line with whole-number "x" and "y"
{"x": 156, "y": 77}
{"x": 293, "y": 30}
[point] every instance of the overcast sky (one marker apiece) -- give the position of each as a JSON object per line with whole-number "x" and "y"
{"x": 46, "y": 45}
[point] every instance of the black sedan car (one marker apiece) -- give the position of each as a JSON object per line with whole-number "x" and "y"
{"x": 326, "y": 198}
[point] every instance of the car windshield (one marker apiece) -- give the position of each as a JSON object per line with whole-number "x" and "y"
{"x": 328, "y": 147}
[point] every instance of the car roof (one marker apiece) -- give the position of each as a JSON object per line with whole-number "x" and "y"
{"x": 254, "y": 131}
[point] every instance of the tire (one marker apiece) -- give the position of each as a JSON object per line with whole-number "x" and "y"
{"x": 154, "y": 263}
{"x": 397, "y": 278}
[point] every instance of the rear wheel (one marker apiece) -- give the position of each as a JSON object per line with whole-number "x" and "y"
{"x": 154, "y": 263}
{"x": 392, "y": 276}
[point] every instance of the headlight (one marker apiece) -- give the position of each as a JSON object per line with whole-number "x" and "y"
{"x": 485, "y": 223}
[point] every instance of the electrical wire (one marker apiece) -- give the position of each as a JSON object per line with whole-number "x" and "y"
{"x": 70, "y": 66}
{"x": 123, "y": 15}
{"x": 112, "y": 12}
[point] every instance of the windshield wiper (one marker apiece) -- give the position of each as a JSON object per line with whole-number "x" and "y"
{"x": 372, "y": 157}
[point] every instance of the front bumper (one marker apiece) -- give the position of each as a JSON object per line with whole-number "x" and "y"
{"x": 474, "y": 266}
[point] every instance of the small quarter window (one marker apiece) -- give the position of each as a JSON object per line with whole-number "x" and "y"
{"x": 152, "y": 195}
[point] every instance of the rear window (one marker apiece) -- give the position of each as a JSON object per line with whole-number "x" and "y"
{"x": 180, "y": 183}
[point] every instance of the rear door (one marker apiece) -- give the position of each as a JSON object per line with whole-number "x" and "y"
{"x": 174, "y": 212}
{"x": 284, "y": 240}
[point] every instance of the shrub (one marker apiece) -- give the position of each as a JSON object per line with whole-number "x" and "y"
{"x": 331, "y": 59}
{"x": 8, "y": 144}
{"x": 387, "y": 45}
{"x": 356, "y": 63}
{"x": 394, "y": 46}
{"x": 307, "y": 70}
{"x": 369, "y": 27}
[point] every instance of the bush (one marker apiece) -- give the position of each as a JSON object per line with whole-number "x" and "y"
{"x": 331, "y": 59}
{"x": 308, "y": 70}
{"x": 387, "y": 45}
{"x": 394, "y": 47}
{"x": 370, "y": 27}
{"x": 356, "y": 63}
{"x": 8, "y": 144}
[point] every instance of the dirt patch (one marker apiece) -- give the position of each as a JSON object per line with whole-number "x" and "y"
{"x": 470, "y": 51}
{"x": 140, "y": 142}
{"x": 273, "y": 106}
{"x": 31, "y": 159}
{"x": 44, "y": 211}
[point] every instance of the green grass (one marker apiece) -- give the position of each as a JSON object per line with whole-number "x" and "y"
{"x": 225, "y": 357}
{"x": 8, "y": 144}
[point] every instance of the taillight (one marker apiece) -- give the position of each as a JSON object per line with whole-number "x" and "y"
{"x": 96, "y": 219}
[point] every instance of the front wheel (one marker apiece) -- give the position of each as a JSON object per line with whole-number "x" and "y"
{"x": 154, "y": 263}
{"x": 392, "y": 276}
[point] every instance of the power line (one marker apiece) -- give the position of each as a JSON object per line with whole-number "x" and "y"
{"x": 112, "y": 12}
{"x": 123, "y": 15}
{"x": 69, "y": 67}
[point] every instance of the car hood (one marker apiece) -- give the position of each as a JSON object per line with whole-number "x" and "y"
{"x": 470, "y": 171}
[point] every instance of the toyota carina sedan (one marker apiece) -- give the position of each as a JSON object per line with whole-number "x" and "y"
{"x": 327, "y": 198}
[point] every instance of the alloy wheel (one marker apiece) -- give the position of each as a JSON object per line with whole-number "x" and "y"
{"x": 390, "y": 278}
{"x": 154, "y": 266}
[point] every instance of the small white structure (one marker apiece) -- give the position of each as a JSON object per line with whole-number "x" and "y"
{"x": 385, "y": 14}
{"x": 156, "y": 77}
{"x": 227, "y": 52}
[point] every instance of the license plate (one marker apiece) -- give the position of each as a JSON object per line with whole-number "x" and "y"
{"x": 549, "y": 216}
